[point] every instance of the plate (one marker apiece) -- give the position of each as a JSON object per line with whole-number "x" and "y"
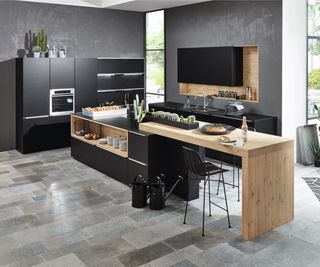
{"x": 231, "y": 143}
{"x": 206, "y": 129}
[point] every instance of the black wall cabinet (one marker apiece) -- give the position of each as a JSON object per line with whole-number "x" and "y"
{"x": 211, "y": 65}
{"x": 61, "y": 73}
{"x": 118, "y": 65}
{"x": 86, "y": 82}
{"x": 35, "y": 86}
{"x": 120, "y": 77}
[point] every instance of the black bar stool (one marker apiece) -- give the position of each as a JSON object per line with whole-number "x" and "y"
{"x": 236, "y": 164}
{"x": 204, "y": 169}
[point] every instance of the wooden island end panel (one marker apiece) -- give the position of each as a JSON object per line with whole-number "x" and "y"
{"x": 267, "y": 189}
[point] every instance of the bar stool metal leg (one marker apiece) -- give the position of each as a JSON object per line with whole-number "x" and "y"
{"x": 238, "y": 183}
{"x": 225, "y": 198}
{"x": 209, "y": 196}
{"x": 233, "y": 171}
{"x": 186, "y": 209}
{"x": 204, "y": 205}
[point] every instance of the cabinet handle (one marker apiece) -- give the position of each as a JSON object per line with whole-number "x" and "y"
{"x": 139, "y": 162}
{"x": 140, "y": 134}
{"x": 35, "y": 117}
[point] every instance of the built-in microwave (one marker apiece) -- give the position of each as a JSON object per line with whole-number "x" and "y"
{"x": 62, "y": 102}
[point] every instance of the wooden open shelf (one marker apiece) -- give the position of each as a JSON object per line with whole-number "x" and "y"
{"x": 250, "y": 78}
{"x": 78, "y": 123}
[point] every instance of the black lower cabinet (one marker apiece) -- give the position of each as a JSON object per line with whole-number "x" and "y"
{"x": 136, "y": 168}
{"x": 106, "y": 162}
{"x": 40, "y": 134}
{"x": 111, "y": 164}
{"x": 83, "y": 152}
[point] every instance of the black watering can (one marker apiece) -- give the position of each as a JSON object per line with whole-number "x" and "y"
{"x": 158, "y": 195}
{"x": 139, "y": 192}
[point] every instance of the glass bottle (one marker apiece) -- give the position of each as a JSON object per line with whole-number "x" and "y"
{"x": 244, "y": 129}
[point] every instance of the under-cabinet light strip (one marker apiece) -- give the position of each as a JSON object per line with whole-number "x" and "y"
{"x": 120, "y": 74}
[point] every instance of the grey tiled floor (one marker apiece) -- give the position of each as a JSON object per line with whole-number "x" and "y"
{"x": 55, "y": 211}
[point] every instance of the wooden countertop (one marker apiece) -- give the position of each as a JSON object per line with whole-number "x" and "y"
{"x": 257, "y": 142}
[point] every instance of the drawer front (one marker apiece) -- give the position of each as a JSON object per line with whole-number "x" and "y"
{"x": 112, "y": 165}
{"x": 138, "y": 147}
{"x": 83, "y": 152}
{"x": 137, "y": 168}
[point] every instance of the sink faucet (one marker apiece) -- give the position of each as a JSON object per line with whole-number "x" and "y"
{"x": 205, "y": 104}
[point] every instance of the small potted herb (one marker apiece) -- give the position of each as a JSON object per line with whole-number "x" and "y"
{"x": 36, "y": 51}
{"x": 42, "y": 43}
{"x": 315, "y": 149}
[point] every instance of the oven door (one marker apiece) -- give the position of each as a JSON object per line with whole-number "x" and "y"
{"x": 61, "y": 105}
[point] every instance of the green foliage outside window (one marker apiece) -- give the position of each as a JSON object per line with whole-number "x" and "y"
{"x": 314, "y": 79}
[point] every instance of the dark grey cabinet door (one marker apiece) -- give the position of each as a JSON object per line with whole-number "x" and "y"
{"x": 86, "y": 82}
{"x": 35, "y": 87}
{"x": 61, "y": 73}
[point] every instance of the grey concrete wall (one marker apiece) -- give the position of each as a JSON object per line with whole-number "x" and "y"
{"x": 86, "y": 32}
{"x": 230, "y": 23}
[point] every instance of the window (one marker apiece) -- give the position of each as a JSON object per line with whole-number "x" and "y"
{"x": 313, "y": 58}
{"x": 155, "y": 57}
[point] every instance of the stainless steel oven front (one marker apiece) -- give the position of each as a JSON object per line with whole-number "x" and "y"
{"x": 62, "y": 102}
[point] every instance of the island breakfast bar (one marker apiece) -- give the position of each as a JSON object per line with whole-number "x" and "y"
{"x": 267, "y": 174}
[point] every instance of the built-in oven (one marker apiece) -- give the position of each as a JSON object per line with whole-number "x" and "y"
{"x": 62, "y": 102}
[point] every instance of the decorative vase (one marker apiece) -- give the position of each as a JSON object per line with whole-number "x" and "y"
{"x": 317, "y": 163}
{"x": 36, "y": 54}
{"x": 42, "y": 54}
{"x": 63, "y": 52}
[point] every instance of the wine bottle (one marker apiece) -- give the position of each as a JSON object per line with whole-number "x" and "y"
{"x": 244, "y": 129}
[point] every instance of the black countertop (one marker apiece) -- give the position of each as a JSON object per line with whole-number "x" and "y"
{"x": 216, "y": 113}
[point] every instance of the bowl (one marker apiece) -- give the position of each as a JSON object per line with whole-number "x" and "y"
{"x": 123, "y": 145}
{"x": 103, "y": 141}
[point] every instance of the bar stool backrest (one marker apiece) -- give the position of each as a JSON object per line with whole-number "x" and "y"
{"x": 193, "y": 161}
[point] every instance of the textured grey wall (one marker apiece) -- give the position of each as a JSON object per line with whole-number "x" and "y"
{"x": 86, "y": 32}
{"x": 228, "y": 23}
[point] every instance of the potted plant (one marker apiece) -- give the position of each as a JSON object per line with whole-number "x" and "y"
{"x": 315, "y": 149}
{"x": 42, "y": 43}
{"x": 36, "y": 51}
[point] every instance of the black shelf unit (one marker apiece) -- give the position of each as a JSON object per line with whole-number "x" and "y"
{"x": 120, "y": 79}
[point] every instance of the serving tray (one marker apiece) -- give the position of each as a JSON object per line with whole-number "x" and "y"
{"x": 205, "y": 129}
{"x": 182, "y": 125}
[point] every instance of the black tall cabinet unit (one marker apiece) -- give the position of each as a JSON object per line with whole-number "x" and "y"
{"x": 120, "y": 79}
{"x": 25, "y": 97}
{"x": 85, "y": 73}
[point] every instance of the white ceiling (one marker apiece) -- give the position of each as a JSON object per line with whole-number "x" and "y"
{"x": 132, "y": 5}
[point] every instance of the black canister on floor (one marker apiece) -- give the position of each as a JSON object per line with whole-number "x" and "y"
{"x": 139, "y": 189}
{"x": 157, "y": 195}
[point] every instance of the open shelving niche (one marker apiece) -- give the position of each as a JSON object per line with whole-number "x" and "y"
{"x": 79, "y": 123}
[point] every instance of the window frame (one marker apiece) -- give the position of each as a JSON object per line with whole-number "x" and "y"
{"x": 146, "y": 50}
{"x": 308, "y": 39}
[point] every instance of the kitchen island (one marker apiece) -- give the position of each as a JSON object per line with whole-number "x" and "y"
{"x": 267, "y": 174}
